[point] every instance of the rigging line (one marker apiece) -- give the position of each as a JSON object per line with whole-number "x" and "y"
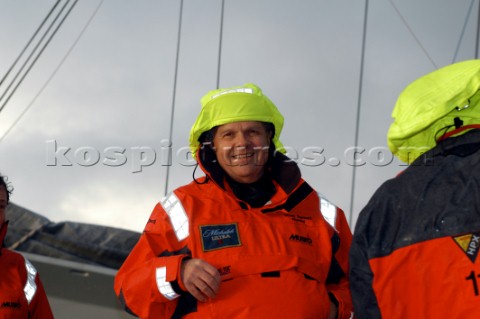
{"x": 29, "y": 42}
{"x": 220, "y": 44}
{"x": 478, "y": 31}
{"x": 413, "y": 34}
{"x": 463, "y": 31}
{"x": 54, "y": 72}
{"x": 31, "y": 54}
{"x": 359, "y": 104}
{"x": 38, "y": 55}
{"x": 172, "y": 113}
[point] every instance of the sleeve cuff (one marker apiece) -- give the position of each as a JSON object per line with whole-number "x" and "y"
{"x": 173, "y": 266}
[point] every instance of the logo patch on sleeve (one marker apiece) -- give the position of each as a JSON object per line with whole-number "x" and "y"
{"x": 470, "y": 244}
{"x": 219, "y": 236}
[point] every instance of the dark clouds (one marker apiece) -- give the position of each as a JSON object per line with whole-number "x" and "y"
{"x": 116, "y": 88}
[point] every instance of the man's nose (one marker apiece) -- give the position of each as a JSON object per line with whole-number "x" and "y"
{"x": 242, "y": 140}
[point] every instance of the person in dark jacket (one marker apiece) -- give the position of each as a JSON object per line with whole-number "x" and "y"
{"x": 415, "y": 247}
{"x": 22, "y": 295}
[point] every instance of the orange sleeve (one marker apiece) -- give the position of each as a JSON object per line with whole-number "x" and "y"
{"x": 147, "y": 283}
{"x": 39, "y": 307}
{"x": 339, "y": 286}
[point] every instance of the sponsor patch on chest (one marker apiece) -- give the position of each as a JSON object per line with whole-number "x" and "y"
{"x": 470, "y": 244}
{"x": 219, "y": 236}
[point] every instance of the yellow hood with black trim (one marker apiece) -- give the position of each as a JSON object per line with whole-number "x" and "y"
{"x": 429, "y": 105}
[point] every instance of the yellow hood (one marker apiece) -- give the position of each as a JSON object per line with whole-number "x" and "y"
{"x": 429, "y": 105}
{"x": 235, "y": 104}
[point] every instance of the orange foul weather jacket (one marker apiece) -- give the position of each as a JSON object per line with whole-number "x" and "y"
{"x": 21, "y": 292}
{"x": 282, "y": 260}
{"x": 415, "y": 247}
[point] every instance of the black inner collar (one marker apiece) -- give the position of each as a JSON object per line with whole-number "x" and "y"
{"x": 256, "y": 194}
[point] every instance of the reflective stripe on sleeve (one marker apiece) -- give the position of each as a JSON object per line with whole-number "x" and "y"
{"x": 178, "y": 218}
{"x": 164, "y": 286}
{"x": 329, "y": 211}
{"x": 30, "y": 286}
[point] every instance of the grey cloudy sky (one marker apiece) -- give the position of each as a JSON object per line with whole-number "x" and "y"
{"x": 111, "y": 76}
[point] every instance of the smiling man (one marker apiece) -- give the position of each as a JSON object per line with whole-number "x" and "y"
{"x": 248, "y": 239}
{"x": 241, "y": 149}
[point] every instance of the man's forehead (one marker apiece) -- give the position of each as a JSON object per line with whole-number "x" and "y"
{"x": 242, "y": 124}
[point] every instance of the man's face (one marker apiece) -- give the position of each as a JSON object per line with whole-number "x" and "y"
{"x": 242, "y": 150}
{"x": 3, "y": 204}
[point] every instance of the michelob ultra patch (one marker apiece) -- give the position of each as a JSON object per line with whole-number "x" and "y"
{"x": 219, "y": 236}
